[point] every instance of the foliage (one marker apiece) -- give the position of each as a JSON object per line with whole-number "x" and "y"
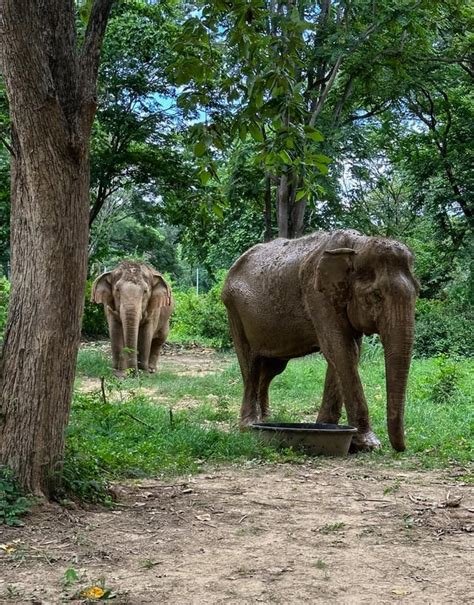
{"x": 201, "y": 318}
{"x": 4, "y": 297}
{"x": 446, "y": 380}
{"x": 134, "y": 434}
{"x": 13, "y": 502}
{"x": 94, "y": 322}
{"x": 443, "y": 328}
{"x": 133, "y": 437}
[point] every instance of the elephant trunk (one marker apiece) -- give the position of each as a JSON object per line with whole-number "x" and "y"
{"x": 397, "y": 340}
{"x": 130, "y": 323}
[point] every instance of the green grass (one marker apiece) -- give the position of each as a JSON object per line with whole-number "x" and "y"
{"x": 133, "y": 434}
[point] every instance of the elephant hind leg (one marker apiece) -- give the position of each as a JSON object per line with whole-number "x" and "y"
{"x": 249, "y": 363}
{"x": 268, "y": 370}
{"x": 250, "y": 410}
{"x": 155, "y": 350}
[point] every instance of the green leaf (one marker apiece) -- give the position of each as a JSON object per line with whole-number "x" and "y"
{"x": 218, "y": 211}
{"x": 320, "y": 157}
{"x": 300, "y": 195}
{"x": 256, "y": 132}
{"x": 323, "y": 169}
{"x": 285, "y": 156}
{"x": 200, "y": 148}
{"x": 313, "y": 134}
{"x": 205, "y": 176}
{"x": 242, "y": 132}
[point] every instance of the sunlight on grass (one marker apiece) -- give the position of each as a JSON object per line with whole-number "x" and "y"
{"x": 171, "y": 424}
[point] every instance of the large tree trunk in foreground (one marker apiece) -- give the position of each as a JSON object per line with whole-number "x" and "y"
{"x": 51, "y": 86}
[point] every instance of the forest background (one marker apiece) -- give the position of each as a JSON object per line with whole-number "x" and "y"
{"x": 221, "y": 125}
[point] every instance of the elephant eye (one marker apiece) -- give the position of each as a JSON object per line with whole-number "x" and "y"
{"x": 374, "y": 296}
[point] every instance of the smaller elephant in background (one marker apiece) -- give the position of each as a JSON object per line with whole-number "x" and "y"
{"x": 138, "y": 304}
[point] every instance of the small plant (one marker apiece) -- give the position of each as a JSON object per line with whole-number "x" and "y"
{"x": 329, "y": 528}
{"x": 392, "y": 489}
{"x": 408, "y": 521}
{"x": 70, "y": 577}
{"x": 320, "y": 564}
{"x": 149, "y": 563}
{"x": 13, "y": 502}
{"x": 445, "y": 381}
{"x": 12, "y": 591}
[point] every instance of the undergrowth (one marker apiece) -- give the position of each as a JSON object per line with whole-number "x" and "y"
{"x": 173, "y": 422}
{"x": 13, "y": 502}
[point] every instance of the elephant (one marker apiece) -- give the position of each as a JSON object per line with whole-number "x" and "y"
{"x": 138, "y": 304}
{"x": 324, "y": 292}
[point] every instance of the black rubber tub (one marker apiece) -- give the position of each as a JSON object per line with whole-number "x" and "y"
{"x": 311, "y": 438}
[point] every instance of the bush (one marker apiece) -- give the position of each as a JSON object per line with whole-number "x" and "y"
{"x": 443, "y": 328}
{"x": 4, "y": 298}
{"x": 446, "y": 380}
{"x": 202, "y": 317}
{"x": 13, "y": 503}
{"x": 94, "y": 322}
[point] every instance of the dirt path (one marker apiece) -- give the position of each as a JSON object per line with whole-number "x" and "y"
{"x": 343, "y": 531}
{"x": 335, "y": 531}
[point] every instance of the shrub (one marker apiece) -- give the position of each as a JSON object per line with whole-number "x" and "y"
{"x": 202, "y": 317}
{"x": 13, "y": 503}
{"x": 443, "y": 328}
{"x": 446, "y": 380}
{"x": 94, "y": 322}
{"x": 4, "y": 298}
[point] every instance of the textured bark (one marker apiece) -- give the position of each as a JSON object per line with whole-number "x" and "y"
{"x": 51, "y": 86}
{"x": 268, "y": 209}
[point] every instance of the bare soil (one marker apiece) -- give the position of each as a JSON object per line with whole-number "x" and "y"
{"x": 345, "y": 531}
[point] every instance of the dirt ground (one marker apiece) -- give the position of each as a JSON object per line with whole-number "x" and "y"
{"x": 331, "y": 531}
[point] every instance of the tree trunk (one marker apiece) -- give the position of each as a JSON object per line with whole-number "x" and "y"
{"x": 51, "y": 86}
{"x": 283, "y": 195}
{"x": 268, "y": 209}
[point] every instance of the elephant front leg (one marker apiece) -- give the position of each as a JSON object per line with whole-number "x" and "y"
{"x": 343, "y": 356}
{"x": 331, "y": 406}
{"x": 117, "y": 344}
{"x": 144, "y": 345}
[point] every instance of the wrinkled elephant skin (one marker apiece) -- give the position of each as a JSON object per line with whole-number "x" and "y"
{"x": 138, "y": 304}
{"x": 323, "y": 292}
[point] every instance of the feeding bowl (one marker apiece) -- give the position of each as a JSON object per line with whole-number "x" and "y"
{"x": 316, "y": 438}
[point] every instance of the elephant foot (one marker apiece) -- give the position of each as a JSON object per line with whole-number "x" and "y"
{"x": 247, "y": 421}
{"x": 119, "y": 373}
{"x": 365, "y": 442}
{"x": 152, "y": 370}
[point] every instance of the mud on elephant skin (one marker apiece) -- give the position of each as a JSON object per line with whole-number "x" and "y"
{"x": 323, "y": 292}
{"x": 138, "y": 304}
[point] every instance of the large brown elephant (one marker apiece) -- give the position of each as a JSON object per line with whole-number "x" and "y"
{"x": 323, "y": 292}
{"x": 138, "y": 304}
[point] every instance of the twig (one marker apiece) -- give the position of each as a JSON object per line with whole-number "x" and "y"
{"x": 102, "y": 388}
{"x": 153, "y": 428}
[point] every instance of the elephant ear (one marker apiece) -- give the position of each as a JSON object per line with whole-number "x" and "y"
{"x": 102, "y": 290}
{"x": 161, "y": 292}
{"x": 333, "y": 275}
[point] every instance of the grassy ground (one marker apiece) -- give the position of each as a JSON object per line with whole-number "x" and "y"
{"x": 173, "y": 422}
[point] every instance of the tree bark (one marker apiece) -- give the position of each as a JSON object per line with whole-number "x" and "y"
{"x": 283, "y": 195}
{"x": 268, "y": 236}
{"x": 51, "y": 86}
